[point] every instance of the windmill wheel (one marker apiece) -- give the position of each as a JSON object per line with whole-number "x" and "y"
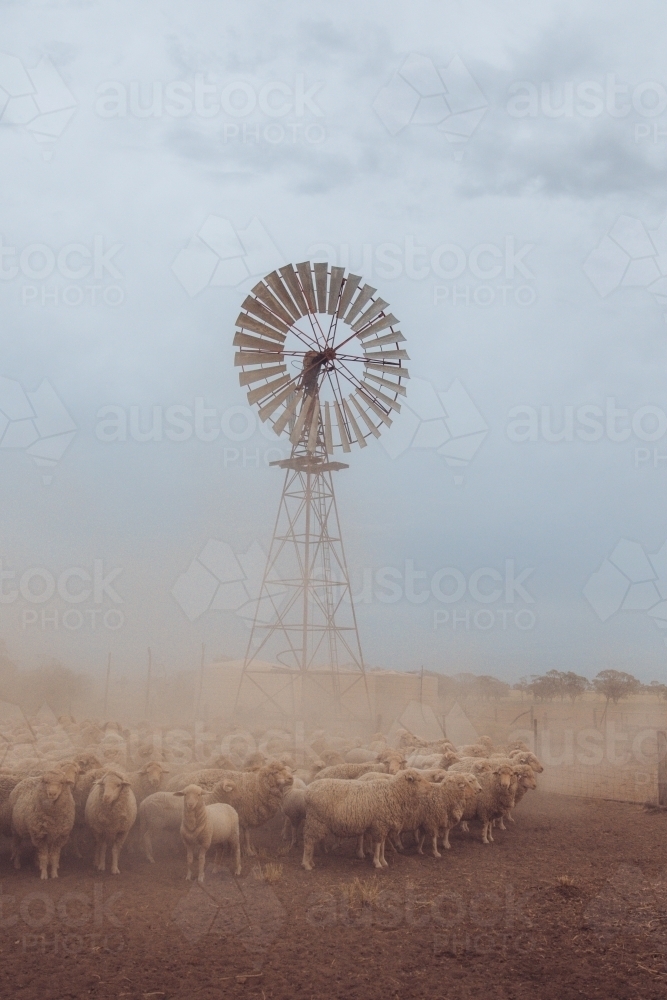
{"x": 326, "y": 353}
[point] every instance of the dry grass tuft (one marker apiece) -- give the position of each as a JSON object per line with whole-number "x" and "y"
{"x": 361, "y": 892}
{"x": 271, "y": 873}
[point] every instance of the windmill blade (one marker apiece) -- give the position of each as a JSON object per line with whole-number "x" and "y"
{"x": 301, "y": 420}
{"x": 364, "y": 416}
{"x": 314, "y": 425}
{"x": 243, "y": 358}
{"x": 394, "y": 369}
{"x": 377, "y": 410}
{"x": 255, "y": 395}
{"x": 289, "y": 277}
{"x": 321, "y": 274}
{"x": 391, "y": 403}
{"x": 337, "y": 274}
{"x": 245, "y": 378}
{"x": 394, "y": 386}
{"x": 399, "y": 355}
{"x": 328, "y": 439}
{"x": 349, "y": 288}
{"x": 390, "y": 338}
{"x": 370, "y": 314}
{"x": 276, "y": 283}
{"x": 306, "y": 278}
{"x": 273, "y": 404}
{"x": 243, "y": 340}
{"x": 255, "y": 307}
{"x": 342, "y": 430}
{"x": 289, "y": 411}
{"x": 364, "y": 296}
{"x": 361, "y": 440}
{"x": 250, "y": 323}
{"x": 377, "y": 326}
{"x": 268, "y": 298}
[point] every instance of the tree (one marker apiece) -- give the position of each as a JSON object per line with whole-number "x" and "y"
{"x": 657, "y": 688}
{"x": 615, "y": 685}
{"x": 574, "y": 685}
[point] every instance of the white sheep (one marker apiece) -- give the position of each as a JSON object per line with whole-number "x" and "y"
{"x": 42, "y": 811}
{"x": 349, "y": 808}
{"x": 256, "y": 795}
{"x": 441, "y": 807}
{"x": 496, "y": 797}
{"x": 203, "y": 826}
{"x": 148, "y": 779}
{"x": 111, "y": 809}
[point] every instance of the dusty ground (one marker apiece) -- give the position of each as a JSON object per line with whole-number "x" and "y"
{"x": 570, "y": 902}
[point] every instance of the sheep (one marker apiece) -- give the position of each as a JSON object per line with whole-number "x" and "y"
{"x": 207, "y": 778}
{"x": 526, "y": 782}
{"x": 394, "y": 760}
{"x": 205, "y": 825}
{"x": 441, "y": 760}
{"x": 497, "y": 795}
{"x": 349, "y": 771}
{"x": 147, "y": 779}
{"x": 475, "y": 750}
{"x": 472, "y": 765}
{"x": 111, "y": 809}
{"x": 441, "y": 807}
{"x": 359, "y": 755}
{"x": 293, "y": 805}
{"x": 349, "y": 808}
{"x": 256, "y": 795}
{"x": 43, "y": 812}
{"x": 159, "y": 811}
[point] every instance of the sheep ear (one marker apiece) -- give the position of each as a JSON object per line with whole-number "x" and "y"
{"x": 165, "y": 770}
{"x": 125, "y": 784}
{"x": 228, "y": 786}
{"x": 181, "y": 794}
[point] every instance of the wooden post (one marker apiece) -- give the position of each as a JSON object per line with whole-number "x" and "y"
{"x": 106, "y": 688}
{"x": 148, "y": 682}
{"x": 201, "y": 682}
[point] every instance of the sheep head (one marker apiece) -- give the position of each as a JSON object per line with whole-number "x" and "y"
{"x": 192, "y": 796}
{"x": 53, "y": 784}
{"x": 153, "y": 772}
{"x": 112, "y": 784}
{"x": 526, "y": 757}
{"x": 505, "y": 774}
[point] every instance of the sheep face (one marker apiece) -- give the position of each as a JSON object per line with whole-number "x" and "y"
{"x": 527, "y": 758}
{"x": 53, "y": 784}
{"x": 279, "y": 774}
{"x": 153, "y": 772}
{"x": 191, "y": 797}
{"x": 505, "y": 775}
{"x": 112, "y": 785}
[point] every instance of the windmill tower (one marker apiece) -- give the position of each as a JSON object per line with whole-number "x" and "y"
{"x": 329, "y": 361}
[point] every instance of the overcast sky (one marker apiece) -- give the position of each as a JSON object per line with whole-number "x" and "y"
{"x": 495, "y": 169}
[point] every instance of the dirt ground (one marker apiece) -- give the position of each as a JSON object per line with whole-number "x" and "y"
{"x": 569, "y": 902}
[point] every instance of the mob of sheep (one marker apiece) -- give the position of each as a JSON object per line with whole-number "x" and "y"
{"x": 74, "y": 786}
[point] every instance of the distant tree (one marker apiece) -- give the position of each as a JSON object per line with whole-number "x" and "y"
{"x": 574, "y": 685}
{"x": 657, "y": 688}
{"x": 490, "y": 688}
{"x": 616, "y": 685}
{"x": 522, "y": 685}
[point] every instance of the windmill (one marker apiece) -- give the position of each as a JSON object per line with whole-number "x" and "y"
{"x": 328, "y": 358}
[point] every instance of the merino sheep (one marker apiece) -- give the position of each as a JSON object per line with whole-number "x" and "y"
{"x": 205, "y": 825}
{"x": 207, "y": 778}
{"x": 472, "y": 765}
{"x": 441, "y": 807}
{"x": 43, "y": 812}
{"x": 111, "y": 810}
{"x": 497, "y": 795}
{"x": 526, "y": 781}
{"x": 359, "y": 755}
{"x": 440, "y": 760}
{"x": 256, "y": 795}
{"x": 157, "y": 812}
{"x": 350, "y": 808}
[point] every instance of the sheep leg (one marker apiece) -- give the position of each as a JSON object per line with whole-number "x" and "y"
{"x": 464, "y": 825}
{"x": 361, "y": 854}
{"x": 54, "y": 859}
{"x": 419, "y": 839}
{"x": 286, "y": 828}
{"x": 148, "y": 847}
{"x": 43, "y": 858}
{"x": 501, "y": 825}
{"x": 385, "y": 863}
{"x": 202, "y": 862}
{"x": 436, "y": 852}
{"x": 235, "y": 847}
{"x": 293, "y": 837}
{"x": 101, "y": 855}
{"x": 190, "y": 859}
{"x": 510, "y": 818}
{"x": 115, "y": 852}
{"x": 16, "y": 852}
{"x": 377, "y": 846}
{"x": 446, "y": 843}
{"x": 249, "y": 849}
{"x": 313, "y": 833}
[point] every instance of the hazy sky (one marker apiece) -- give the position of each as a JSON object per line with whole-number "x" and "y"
{"x": 495, "y": 169}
